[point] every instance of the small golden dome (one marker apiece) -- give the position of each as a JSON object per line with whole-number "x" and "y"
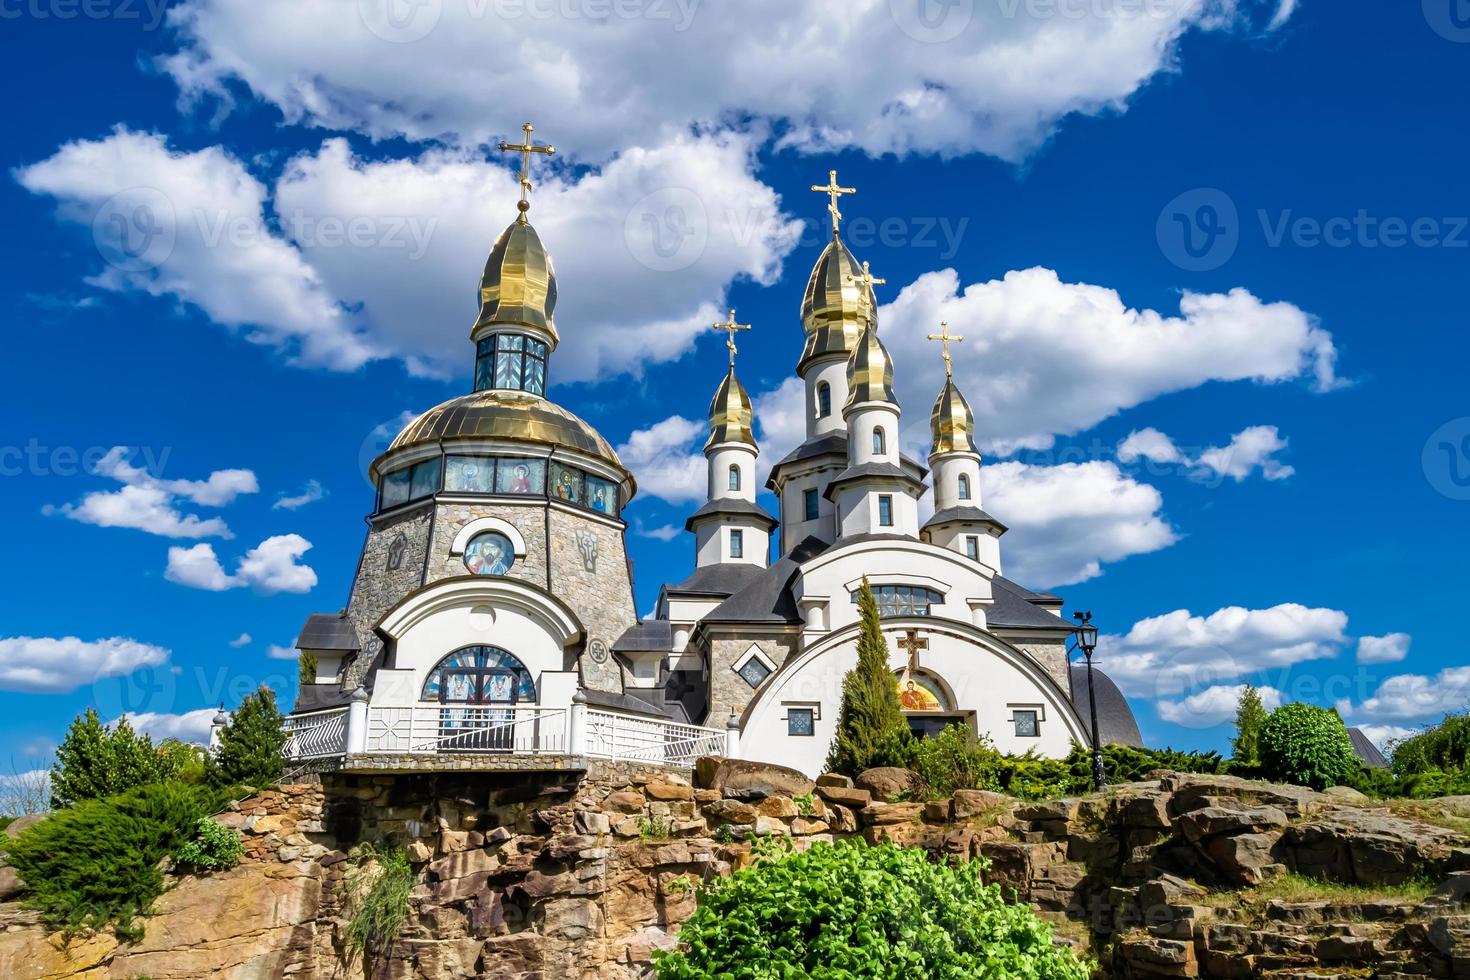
{"x": 519, "y": 284}
{"x": 835, "y": 309}
{"x": 870, "y": 371}
{"x": 731, "y": 417}
{"x": 952, "y": 423}
{"x": 513, "y": 416}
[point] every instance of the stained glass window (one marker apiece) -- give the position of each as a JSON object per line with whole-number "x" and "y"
{"x": 754, "y": 672}
{"x": 470, "y": 474}
{"x": 521, "y": 476}
{"x": 513, "y": 361}
{"x": 903, "y": 600}
{"x": 425, "y": 478}
{"x": 480, "y": 675}
{"x": 489, "y": 553}
{"x": 567, "y": 484}
{"x": 1027, "y": 724}
{"x": 800, "y": 721}
{"x": 602, "y": 495}
{"x": 395, "y": 488}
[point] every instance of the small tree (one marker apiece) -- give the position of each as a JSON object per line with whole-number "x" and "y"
{"x": 250, "y": 745}
{"x": 95, "y": 761}
{"x": 1307, "y": 745}
{"x": 1250, "y": 715}
{"x": 869, "y": 724}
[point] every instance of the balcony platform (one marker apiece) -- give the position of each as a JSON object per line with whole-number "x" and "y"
{"x": 410, "y": 762}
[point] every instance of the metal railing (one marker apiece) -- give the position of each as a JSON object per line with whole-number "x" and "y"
{"x": 466, "y": 728}
{"x": 316, "y": 734}
{"x": 611, "y": 736}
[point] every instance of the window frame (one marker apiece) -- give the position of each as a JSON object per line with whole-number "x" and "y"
{"x": 824, "y": 400}
{"x": 734, "y": 478}
{"x": 754, "y": 654}
{"x": 514, "y": 359}
{"x": 901, "y": 599}
{"x": 737, "y": 543}
{"x": 972, "y": 547}
{"x": 811, "y": 504}
{"x": 885, "y": 510}
{"x": 964, "y": 486}
{"x": 1036, "y": 719}
{"x": 811, "y": 722}
{"x": 880, "y": 441}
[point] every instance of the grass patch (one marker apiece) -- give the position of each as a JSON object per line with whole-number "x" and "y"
{"x": 377, "y": 892}
{"x": 1300, "y": 888}
{"x": 655, "y": 828}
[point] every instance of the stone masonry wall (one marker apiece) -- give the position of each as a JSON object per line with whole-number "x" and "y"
{"x": 1053, "y": 659}
{"x": 527, "y": 518}
{"x": 589, "y": 572}
{"x": 729, "y": 694}
{"x": 385, "y": 575}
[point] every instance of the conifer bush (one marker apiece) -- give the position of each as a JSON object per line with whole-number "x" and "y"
{"x": 250, "y": 745}
{"x": 1250, "y": 715}
{"x": 865, "y": 913}
{"x": 95, "y": 761}
{"x": 1306, "y": 745}
{"x": 870, "y": 726}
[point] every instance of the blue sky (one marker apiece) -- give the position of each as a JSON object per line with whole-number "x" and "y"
{"x": 1246, "y": 451}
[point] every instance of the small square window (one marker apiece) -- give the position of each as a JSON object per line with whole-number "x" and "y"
{"x": 737, "y": 544}
{"x": 809, "y": 500}
{"x": 754, "y": 672}
{"x": 885, "y": 510}
{"x": 1028, "y": 725}
{"x": 800, "y": 721}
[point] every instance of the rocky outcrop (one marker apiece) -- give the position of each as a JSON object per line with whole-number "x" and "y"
{"x": 586, "y": 875}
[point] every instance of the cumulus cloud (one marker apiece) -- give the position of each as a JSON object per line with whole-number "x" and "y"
{"x": 277, "y": 652}
{"x": 1384, "y": 735}
{"x": 981, "y": 77}
{"x": 1047, "y": 357}
{"x": 1067, "y": 521}
{"x": 662, "y": 532}
{"x": 219, "y": 489}
{"x": 1249, "y": 450}
{"x": 51, "y": 665}
{"x": 1383, "y": 649}
{"x": 663, "y": 459}
{"x": 270, "y": 567}
{"x": 1414, "y": 697}
{"x": 1213, "y": 706}
{"x": 1164, "y": 656}
{"x": 310, "y": 494}
{"x": 190, "y": 726}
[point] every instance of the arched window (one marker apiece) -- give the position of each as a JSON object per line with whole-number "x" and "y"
{"x": 879, "y": 442}
{"x": 511, "y": 360}
{"x": 964, "y": 486}
{"x": 734, "y": 478}
{"x": 824, "y": 400}
{"x": 480, "y": 675}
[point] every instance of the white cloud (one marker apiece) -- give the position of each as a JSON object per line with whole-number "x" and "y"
{"x": 190, "y": 726}
{"x": 48, "y": 665}
{"x": 1149, "y": 444}
{"x": 1383, "y": 649}
{"x": 1414, "y": 697}
{"x": 219, "y": 489}
{"x": 270, "y": 567}
{"x": 1067, "y": 521}
{"x": 193, "y": 226}
{"x": 1249, "y": 450}
{"x": 310, "y": 494}
{"x": 994, "y": 78}
{"x": 663, "y": 532}
{"x": 1214, "y": 705}
{"x": 243, "y": 640}
{"x": 1044, "y": 358}
{"x": 664, "y": 459}
{"x": 1382, "y": 735}
{"x": 276, "y": 652}
{"x": 1164, "y": 656}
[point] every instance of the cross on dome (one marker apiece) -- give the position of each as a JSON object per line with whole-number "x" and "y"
{"x": 833, "y": 191}
{"x": 525, "y": 148}
{"x": 730, "y": 326}
{"x": 946, "y": 338}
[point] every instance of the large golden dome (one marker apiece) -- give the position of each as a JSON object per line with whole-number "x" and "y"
{"x": 952, "y": 423}
{"x": 870, "y": 371}
{"x": 731, "y": 417}
{"x": 519, "y": 284}
{"x": 835, "y": 309}
{"x": 513, "y": 416}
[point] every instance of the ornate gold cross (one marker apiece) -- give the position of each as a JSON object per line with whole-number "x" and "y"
{"x": 525, "y": 148}
{"x": 913, "y": 643}
{"x": 866, "y": 280}
{"x": 832, "y": 190}
{"x": 946, "y": 338}
{"x": 730, "y": 326}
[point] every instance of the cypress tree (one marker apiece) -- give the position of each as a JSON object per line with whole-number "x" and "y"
{"x": 1250, "y": 715}
{"x": 870, "y": 725}
{"x": 250, "y": 745}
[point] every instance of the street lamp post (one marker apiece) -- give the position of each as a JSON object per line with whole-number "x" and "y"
{"x": 1087, "y": 643}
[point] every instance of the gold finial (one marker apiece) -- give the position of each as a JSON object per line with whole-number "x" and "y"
{"x": 866, "y": 280}
{"x": 832, "y": 190}
{"x": 730, "y": 326}
{"x": 946, "y": 338}
{"x": 525, "y": 148}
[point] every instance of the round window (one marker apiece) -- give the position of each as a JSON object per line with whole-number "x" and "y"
{"x": 490, "y": 553}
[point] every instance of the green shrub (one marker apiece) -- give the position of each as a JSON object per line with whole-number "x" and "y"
{"x": 1444, "y": 748}
{"x": 250, "y": 745}
{"x": 377, "y": 892}
{"x": 306, "y": 667}
{"x": 870, "y": 726}
{"x": 1307, "y": 745}
{"x": 854, "y": 911}
{"x": 213, "y": 848}
{"x": 96, "y": 761}
{"x": 97, "y": 863}
{"x": 1250, "y": 715}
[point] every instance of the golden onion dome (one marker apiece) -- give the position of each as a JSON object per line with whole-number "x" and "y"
{"x": 952, "y": 423}
{"x": 835, "y": 309}
{"x": 731, "y": 415}
{"x": 519, "y": 284}
{"x": 511, "y": 416}
{"x": 870, "y": 371}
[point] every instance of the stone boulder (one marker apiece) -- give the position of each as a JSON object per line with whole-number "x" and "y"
{"x": 1371, "y": 847}
{"x": 10, "y": 884}
{"x": 887, "y": 782}
{"x": 743, "y": 780}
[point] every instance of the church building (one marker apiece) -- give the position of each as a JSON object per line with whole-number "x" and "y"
{"x": 491, "y": 622}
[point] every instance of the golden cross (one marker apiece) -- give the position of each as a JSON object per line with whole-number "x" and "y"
{"x": 946, "y": 338}
{"x": 913, "y": 643}
{"x": 866, "y": 279}
{"x": 730, "y": 326}
{"x": 832, "y": 190}
{"x": 525, "y": 148}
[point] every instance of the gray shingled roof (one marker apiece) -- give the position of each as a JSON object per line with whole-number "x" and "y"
{"x": 864, "y": 471}
{"x": 731, "y": 507}
{"x": 967, "y": 515}
{"x": 768, "y": 598}
{"x": 722, "y": 580}
{"x": 1013, "y": 606}
{"x": 1115, "y": 722}
{"x": 834, "y": 444}
{"x": 327, "y": 631}
{"x": 646, "y": 702}
{"x": 314, "y": 697}
{"x": 1368, "y": 753}
{"x": 651, "y": 634}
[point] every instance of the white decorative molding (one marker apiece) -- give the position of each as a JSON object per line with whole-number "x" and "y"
{"x": 482, "y": 524}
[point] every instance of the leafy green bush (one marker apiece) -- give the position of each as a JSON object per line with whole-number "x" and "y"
{"x": 376, "y": 899}
{"x": 870, "y": 724}
{"x": 214, "y": 847}
{"x": 1307, "y": 745}
{"x": 853, "y": 911}
{"x": 97, "y": 862}
{"x": 1444, "y": 748}
{"x": 96, "y": 761}
{"x": 250, "y": 745}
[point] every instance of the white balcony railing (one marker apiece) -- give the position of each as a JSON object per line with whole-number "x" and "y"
{"x": 466, "y": 728}
{"x": 611, "y": 736}
{"x": 316, "y": 734}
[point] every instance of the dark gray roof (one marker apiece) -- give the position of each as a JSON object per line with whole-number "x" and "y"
{"x": 865, "y": 471}
{"x": 327, "y": 631}
{"x": 833, "y": 444}
{"x": 313, "y": 697}
{"x": 1363, "y": 747}
{"x": 731, "y": 507}
{"x": 651, "y": 634}
{"x": 718, "y": 580}
{"x": 768, "y": 598}
{"x": 1015, "y": 606}
{"x": 966, "y": 515}
{"x": 645, "y": 702}
{"x": 1115, "y": 721}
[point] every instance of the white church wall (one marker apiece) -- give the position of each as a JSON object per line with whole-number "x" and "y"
{"x": 837, "y": 573}
{"x": 832, "y": 372}
{"x": 721, "y": 459}
{"x": 952, "y": 537}
{"x": 946, "y": 473}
